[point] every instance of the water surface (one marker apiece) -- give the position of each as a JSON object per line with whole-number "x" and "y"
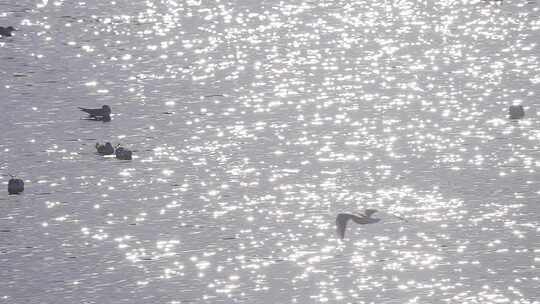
{"x": 253, "y": 125}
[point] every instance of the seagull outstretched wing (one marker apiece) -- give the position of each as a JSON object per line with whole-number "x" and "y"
{"x": 341, "y": 223}
{"x": 369, "y": 212}
{"x": 343, "y": 218}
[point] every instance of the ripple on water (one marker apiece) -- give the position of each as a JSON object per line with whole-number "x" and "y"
{"x": 253, "y": 126}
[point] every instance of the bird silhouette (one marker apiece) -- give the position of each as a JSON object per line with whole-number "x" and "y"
{"x": 15, "y": 186}
{"x": 106, "y": 149}
{"x": 102, "y": 113}
{"x": 123, "y": 153}
{"x": 343, "y": 218}
{"x": 6, "y": 31}
{"x": 516, "y": 112}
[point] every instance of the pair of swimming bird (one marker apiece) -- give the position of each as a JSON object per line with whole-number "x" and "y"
{"x": 104, "y": 114}
{"x": 101, "y": 114}
{"x": 108, "y": 149}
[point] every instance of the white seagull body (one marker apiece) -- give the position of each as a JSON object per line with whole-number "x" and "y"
{"x": 343, "y": 218}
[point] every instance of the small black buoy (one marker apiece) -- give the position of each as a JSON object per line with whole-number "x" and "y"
{"x": 516, "y": 112}
{"x": 15, "y": 186}
{"x": 123, "y": 154}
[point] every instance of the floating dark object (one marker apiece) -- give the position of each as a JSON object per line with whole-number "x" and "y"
{"x": 123, "y": 154}
{"x": 15, "y": 186}
{"x": 343, "y": 218}
{"x": 6, "y": 31}
{"x": 106, "y": 149}
{"x": 101, "y": 114}
{"x": 516, "y": 112}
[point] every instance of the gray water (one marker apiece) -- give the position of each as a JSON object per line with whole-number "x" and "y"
{"x": 253, "y": 124}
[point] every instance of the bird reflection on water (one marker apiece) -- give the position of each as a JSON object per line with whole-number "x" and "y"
{"x": 343, "y": 218}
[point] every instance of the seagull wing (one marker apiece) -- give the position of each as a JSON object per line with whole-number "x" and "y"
{"x": 341, "y": 224}
{"x": 369, "y": 212}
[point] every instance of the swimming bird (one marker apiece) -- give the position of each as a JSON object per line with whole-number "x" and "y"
{"x": 104, "y": 111}
{"x": 123, "y": 153}
{"x": 106, "y": 149}
{"x": 6, "y": 31}
{"x": 15, "y": 186}
{"x": 516, "y": 112}
{"x": 343, "y": 218}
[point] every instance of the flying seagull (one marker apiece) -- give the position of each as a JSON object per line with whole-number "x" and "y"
{"x": 103, "y": 113}
{"x": 343, "y": 218}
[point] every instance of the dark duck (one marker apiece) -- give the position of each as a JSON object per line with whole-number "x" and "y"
{"x": 516, "y": 112}
{"x": 106, "y": 149}
{"x": 15, "y": 186}
{"x": 6, "y": 31}
{"x": 123, "y": 153}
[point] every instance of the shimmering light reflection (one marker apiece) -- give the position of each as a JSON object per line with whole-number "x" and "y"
{"x": 253, "y": 126}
